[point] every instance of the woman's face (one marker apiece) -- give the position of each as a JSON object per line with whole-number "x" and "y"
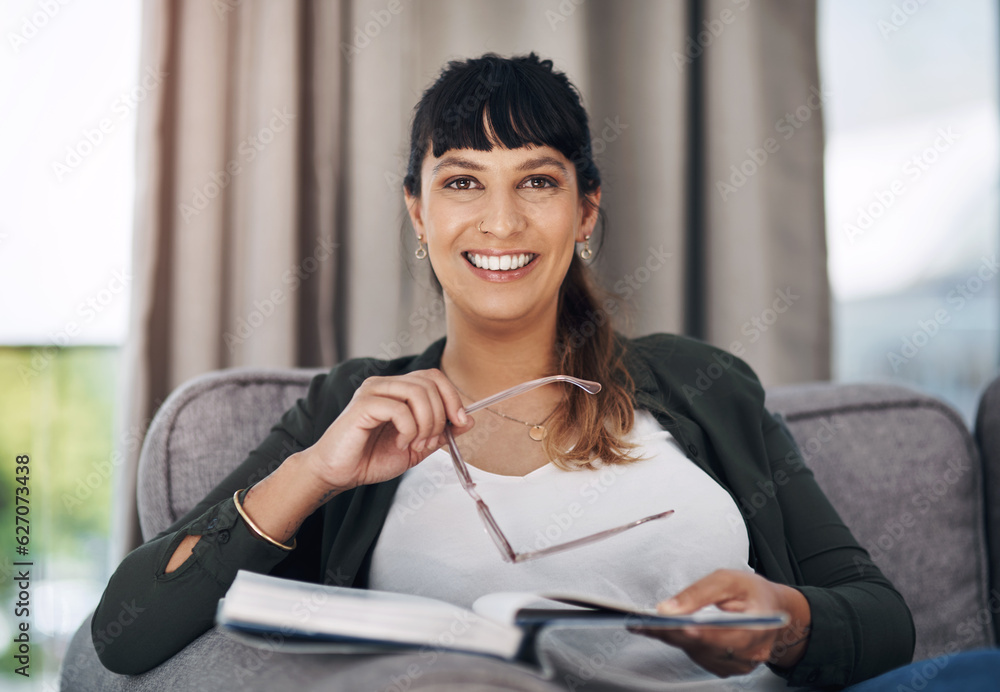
{"x": 501, "y": 228}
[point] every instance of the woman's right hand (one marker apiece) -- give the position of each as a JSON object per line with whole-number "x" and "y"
{"x": 390, "y": 425}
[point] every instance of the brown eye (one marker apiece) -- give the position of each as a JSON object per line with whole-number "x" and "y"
{"x": 539, "y": 183}
{"x": 460, "y": 184}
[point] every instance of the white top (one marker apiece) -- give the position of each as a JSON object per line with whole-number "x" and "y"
{"x": 434, "y": 544}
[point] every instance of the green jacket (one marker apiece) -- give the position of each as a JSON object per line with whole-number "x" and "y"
{"x": 710, "y": 401}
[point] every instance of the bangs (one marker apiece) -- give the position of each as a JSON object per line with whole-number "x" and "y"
{"x": 488, "y": 102}
{"x": 498, "y": 107}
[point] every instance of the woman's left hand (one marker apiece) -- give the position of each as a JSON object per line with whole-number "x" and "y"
{"x": 732, "y": 651}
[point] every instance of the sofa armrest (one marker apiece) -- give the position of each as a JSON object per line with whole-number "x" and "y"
{"x": 903, "y": 472}
{"x": 987, "y": 436}
{"x": 204, "y": 429}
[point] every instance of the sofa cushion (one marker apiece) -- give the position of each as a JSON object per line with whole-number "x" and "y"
{"x": 903, "y": 472}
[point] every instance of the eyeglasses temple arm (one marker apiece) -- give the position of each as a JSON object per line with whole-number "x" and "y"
{"x": 586, "y": 385}
{"x": 576, "y": 543}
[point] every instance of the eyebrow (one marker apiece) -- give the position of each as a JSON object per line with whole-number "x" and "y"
{"x": 468, "y": 164}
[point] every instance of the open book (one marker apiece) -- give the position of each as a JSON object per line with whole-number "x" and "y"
{"x": 265, "y": 610}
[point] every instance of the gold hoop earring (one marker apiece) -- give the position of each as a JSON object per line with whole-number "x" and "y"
{"x": 586, "y": 253}
{"x": 421, "y": 252}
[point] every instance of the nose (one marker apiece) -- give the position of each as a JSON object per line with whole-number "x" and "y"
{"x": 502, "y": 216}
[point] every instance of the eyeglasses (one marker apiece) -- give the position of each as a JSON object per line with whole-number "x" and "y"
{"x": 492, "y": 528}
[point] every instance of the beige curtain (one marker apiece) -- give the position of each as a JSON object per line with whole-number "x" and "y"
{"x": 767, "y": 292}
{"x": 269, "y": 215}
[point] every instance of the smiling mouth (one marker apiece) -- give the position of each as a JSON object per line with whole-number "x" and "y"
{"x": 499, "y": 262}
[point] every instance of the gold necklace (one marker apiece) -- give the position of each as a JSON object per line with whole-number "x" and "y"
{"x": 536, "y": 431}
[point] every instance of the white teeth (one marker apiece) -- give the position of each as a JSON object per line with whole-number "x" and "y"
{"x": 499, "y": 262}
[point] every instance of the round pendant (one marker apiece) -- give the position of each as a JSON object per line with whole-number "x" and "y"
{"x": 537, "y": 433}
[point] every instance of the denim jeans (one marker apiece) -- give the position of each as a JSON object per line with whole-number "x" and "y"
{"x": 965, "y": 671}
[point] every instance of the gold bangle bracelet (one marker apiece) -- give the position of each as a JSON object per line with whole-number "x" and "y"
{"x": 255, "y": 528}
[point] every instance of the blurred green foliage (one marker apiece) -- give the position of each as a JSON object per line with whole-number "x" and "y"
{"x": 57, "y": 405}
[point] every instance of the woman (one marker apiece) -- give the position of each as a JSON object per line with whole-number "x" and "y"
{"x": 504, "y": 196}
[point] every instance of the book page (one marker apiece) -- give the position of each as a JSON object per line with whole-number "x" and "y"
{"x": 257, "y": 603}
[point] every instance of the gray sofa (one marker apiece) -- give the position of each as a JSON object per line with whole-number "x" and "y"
{"x": 918, "y": 490}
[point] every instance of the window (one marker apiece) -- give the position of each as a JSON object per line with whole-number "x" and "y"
{"x": 70, "y": 84}
{"x": 911, "y": 192}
